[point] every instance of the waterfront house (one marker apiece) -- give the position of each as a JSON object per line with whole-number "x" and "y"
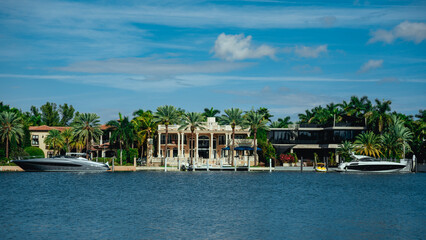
{"x": 307, "y": 139}
{"x": 100, "y": 148}
{"x": 210, "y": 144}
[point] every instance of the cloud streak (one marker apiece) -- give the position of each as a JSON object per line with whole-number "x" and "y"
{"x": 370, "y": 65}
{"x": 310, "y": 52}
{"x": 408, "y": 31}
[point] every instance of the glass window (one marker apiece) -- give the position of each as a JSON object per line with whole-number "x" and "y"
{"x": 222, "y": 140}
{"x": 34, "y": 140}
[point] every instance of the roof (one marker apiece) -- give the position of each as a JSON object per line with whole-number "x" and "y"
{"x": 45, "y": 128}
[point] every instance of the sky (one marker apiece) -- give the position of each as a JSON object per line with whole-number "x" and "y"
{"x": 107, "y": 57}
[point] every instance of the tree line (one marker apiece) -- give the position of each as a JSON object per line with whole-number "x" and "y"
{"x": 389, "y": 134}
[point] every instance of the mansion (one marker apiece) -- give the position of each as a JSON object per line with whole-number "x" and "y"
{"x": 210, "y": 144}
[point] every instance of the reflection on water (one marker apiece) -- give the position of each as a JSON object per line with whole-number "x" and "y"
{"x": 214, "y": 205}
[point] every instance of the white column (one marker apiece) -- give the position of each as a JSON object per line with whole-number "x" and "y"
{"x": 196, "y": 146}
{"x": 159, "y": 144}
{"x": 182, "y": 146}
{"x": 178, "y": 149}
{"x": 226, "y": 139}
{"x": 211, "y": 146}
{"x": 100, "y": 140}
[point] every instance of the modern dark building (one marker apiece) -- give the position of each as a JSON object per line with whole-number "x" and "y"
{"x": 307, "y": 139}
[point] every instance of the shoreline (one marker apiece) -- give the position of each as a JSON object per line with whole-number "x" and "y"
{"x": 175, "y": 169}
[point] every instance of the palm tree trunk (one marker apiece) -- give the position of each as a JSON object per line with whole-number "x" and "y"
{"x": 255, "y": 148}
{"x": 233, "y": 145}
{"x": 87, "y": 148}
{"x": 121, "y": 154}
{"x": 7, "y": 148}
{"x": 148, "y": 155}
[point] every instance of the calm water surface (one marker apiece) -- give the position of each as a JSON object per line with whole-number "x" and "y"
{"x": 214, "y": 205}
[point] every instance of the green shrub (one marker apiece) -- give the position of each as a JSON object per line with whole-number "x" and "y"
{"x": 131, "y": 154}
{"x": 34, "y": 151}
{"x": 17, "y": 153}
{"x": 128, "y": 155}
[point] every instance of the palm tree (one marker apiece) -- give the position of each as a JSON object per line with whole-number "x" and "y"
{"x": 11, "y": 129}
{"x": 402, "y": 134}
{"x": 359, "y": 108}
{"x": 167, "y": 115}
{"x": 86, "y": 127}
{"x": 77, "y": 143}
{"x": 234, "y": 118}
{"x": 284, "y": 122}
{"x": 266, "y": 114}
{"x": 55, "y": 140}
{"x": 390, "y": 145}
{"x": 68, "y": 137}
{"x": 379, "y": 116}
{"x": 334, "y": 112}
{"x": 192, "y": 121}
{"x": 305, "y": 117}
{"x": 210, "y": 112}
{"x": 141, "y": 112}
{"x": 122, "y": 132}
{"x": 255, "y": 121}
{"x": 345, "y": 149}
{"x": 368, "y": 144}
{"x": 275, "y": 124}
{"x": 145, "y": 127}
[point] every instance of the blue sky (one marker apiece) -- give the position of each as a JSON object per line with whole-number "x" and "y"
{"x": 108, "y": 57}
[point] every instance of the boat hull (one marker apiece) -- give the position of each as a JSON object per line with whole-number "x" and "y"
{"x": 60, "y": 165}
{"x": 378, "y": 167}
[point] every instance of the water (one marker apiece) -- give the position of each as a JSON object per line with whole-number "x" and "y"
{"x": 214, "y": 205}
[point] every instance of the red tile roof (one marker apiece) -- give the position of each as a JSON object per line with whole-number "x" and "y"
{"x": 46, "y": 128}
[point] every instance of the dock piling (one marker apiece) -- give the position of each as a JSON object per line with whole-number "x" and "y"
{"x": 270, "y": 165}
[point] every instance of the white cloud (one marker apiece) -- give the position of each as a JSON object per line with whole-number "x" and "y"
{"x": 310, "y": 52}
{"x": 152, "y": 66}
{"x": 238, "y": 47}
{"x": 408, "y": 31}
{"x": 370, "y": 65}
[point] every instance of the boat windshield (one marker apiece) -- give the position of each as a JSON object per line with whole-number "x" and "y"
{"x": 367, "y": 159}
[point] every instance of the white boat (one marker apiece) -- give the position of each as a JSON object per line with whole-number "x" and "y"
{"x": 361, "y": 163}
{"x": 72, "y": 162}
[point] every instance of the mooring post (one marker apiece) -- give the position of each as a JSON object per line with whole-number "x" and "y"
{"x": 113, "y": 160}
{"x": 301, "y": 164}
{"x": 208, "y": 169}
{"x": 416, "y": 164}
{"x": 270, "y": 165}
{"x": 221, "y": 164}
{"x": 248, "y": 165}
{"x": 165, "y": 164}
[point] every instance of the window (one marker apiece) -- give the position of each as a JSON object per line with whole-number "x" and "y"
{"x": 222, "y": 140}
{"x": 34, "y": 140}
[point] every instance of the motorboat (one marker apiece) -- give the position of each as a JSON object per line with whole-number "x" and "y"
{"x": 71, "y": 162}
{"x": 320, "y": 167}
{"x": 361, "y": 163}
